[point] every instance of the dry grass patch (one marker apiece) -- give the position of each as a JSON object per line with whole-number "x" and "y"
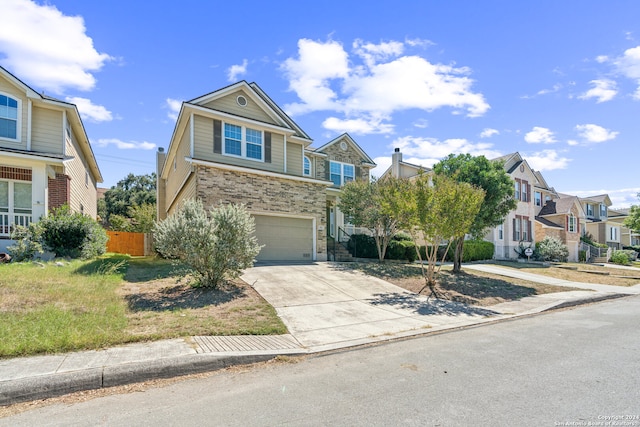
{"x": 468, "y": 287}
{"x": 584, "y": 273}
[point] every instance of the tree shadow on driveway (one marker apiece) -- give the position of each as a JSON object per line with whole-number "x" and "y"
{"x": 428, "y": 307}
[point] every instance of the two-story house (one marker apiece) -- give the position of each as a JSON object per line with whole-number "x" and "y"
{"x": 235, "y": 145}
{"x": 597, "y": 224}
{"x": 45, "y": 157}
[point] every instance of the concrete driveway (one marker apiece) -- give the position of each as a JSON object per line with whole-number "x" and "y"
{"x": 325, "y": 305}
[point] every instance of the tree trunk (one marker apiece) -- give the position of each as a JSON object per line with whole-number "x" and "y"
{"x": 457, "y": 255}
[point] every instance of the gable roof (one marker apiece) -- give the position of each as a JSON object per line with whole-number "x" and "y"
{"x": 73, "y": 116}
{"x": 548, "y": 223}
{"x": 261, "y": 99}
{"x": 561, "y": 206}
{"x": 601, "y": 198}
{"x": 352, "y": 142}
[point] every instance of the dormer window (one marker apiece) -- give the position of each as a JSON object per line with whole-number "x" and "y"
{"x": 9, "y": 117}
{"x": 306, "y": 166}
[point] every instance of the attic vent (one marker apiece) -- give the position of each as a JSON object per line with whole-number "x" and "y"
{"x": 242, "y": 101}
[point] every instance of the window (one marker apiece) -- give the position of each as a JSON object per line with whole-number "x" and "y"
{"x": 614, "y": 234}
{"x": 242, "y": 141}
{"x": 603, "y": 211}
{"x": 521, "y": 229}
{"x": 525, "y": 195}
{"x": 8, "y": 117}
{"x": 516, "y": 231}
{"x": 500, "y": 232}
{"x": 306, "y": 166}
{"x": 589, "y": 209}
{"x": 86, "y": 178}
{"x": 341, "y": 173}
{"x": 572, "y": 226}
{"x": 538, "y": 198}
{"x": 517, "y": 194}
{"x": 15, "y": 205}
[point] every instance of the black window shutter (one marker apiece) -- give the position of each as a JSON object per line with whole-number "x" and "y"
{"x": 357, "y": 177}
{"x": 217, "y": 136}
{"x": 267, "y": 147}
{"x": 529, "y": 233}
{"x": 515, "y": 238}
{"x": 327, "y": 175}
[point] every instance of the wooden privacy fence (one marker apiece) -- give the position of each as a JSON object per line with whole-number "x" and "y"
{"x": 134, "y": 244}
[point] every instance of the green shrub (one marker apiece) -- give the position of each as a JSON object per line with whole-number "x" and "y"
{"x": 582, "y": 256}
{"x": 477, "y": 250}
{"x": 72, "y": 234}
{"x": 27, "y": 242}
{"x": 401, "y": 250}
{"x": 402, "y": 236}
{"x": 623, "y": 257}
{"x": 362, "y": 246}
{"x": 216, "y": 247}
{"x": 552, "y": 249}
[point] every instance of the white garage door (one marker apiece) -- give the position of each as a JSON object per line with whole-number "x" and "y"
{"x": 284, "y": 239}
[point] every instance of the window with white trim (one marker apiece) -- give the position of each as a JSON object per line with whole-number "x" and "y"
{"x": 603, "y": 211}
{"x": 572, "y": 226}
{"x": 15, "y": 205}
{"x": 9, "y": 113}
{"x": 306, "y": 170}
{"x": 538, "y": 198}
{"x": 242, "y": 141}
{"x": 341, "y": 173}
{"x": 589, "y": 209}
{"x": 500, "y": 232}
{"x": 614, "y": 234}
{"x": 517, "y": 231}
{"x": 517, "y": 192}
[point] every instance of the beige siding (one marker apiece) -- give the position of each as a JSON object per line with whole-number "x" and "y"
{"x": 229, "y": 104}
{"x": 46, "y": 130}
{"x": 203, "y": 148}
{"x": 83, "y": 186}
{"x": 9, "y": 89}
{"x": 188, "y": 192}
{"x": 294, "y": 159}
{"x": 179, "y": 169}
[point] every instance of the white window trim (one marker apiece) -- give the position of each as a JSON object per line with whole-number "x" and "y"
{"x": 572, "y": 223}
{"x": 310, "y": 166}
{"x": 18, "y": 121}
{"x": 537, "y": 197}
{"x": 342, "y": 165}
{"x": 243, "y": 143}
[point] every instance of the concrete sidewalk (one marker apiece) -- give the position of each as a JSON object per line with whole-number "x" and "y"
{"x": 324, "y": 309}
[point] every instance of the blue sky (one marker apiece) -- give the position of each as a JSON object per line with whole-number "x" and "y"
{"x": 558, "y": 81}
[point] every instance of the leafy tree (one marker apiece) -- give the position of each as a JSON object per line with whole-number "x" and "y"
{"x": 215, "y": 247}
{"x": 442, "y": 212}
{"x": 133, "y": 190}
{"x": 375, "y": 205}
{"x": 498, "y": 188}
{"x": 632, "y": 222}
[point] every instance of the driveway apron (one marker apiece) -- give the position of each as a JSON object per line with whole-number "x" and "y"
{"x": 325, "y": 304}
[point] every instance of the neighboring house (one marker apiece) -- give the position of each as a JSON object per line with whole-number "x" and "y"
{"x": 401, "y": 169}
{"x": 596, "y": 210}
{"x": 45, "y": 157}
{"x": 518, "y": 226}
{"x": 628, "y": 237}
{"x": 564, "y": 219}
{"x": 235, "y": 145}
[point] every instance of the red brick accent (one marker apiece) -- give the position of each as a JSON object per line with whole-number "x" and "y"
{"x": 59, "y": 191}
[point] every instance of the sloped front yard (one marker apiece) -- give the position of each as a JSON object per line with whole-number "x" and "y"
{"x": 49, "y": 307}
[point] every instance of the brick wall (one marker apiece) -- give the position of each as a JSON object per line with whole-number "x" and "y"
{"x": 59, "y": 191}
{"x": 264, "y": 194}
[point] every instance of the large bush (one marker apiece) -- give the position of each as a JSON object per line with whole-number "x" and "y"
{"x": 362, "y": 246}
{"x": 401, "y": 250}
{"x": 64, "y": 233}
{"x": 552, "y": 249}
{"x": 216, "y": 247}
{"x": 624, "y": 257}
{"x": 473, "y": 250}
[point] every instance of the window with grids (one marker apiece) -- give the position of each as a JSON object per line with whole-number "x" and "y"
{"x": 573, "y": 225}
{"x": 243, "y": 142}
{"x": 306, "y": 166}
{"x": 8, "y": 117}
{"x": 341, "y": 173}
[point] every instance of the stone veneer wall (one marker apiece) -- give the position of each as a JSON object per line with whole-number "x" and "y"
{"x": 265, "y": 194}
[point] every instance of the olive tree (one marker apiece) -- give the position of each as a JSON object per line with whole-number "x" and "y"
{"x": 216, "y": 246}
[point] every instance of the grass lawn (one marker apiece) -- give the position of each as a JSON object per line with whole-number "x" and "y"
{"x": 585, "y": 273}
{"x": 48, "y": 308}
{"x": 469, "y": 287}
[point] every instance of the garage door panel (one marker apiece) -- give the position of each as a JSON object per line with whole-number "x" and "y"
{"x": 284, "y": 239}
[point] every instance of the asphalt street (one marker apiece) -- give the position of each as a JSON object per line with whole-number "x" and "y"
{"x": 568, "y": 367}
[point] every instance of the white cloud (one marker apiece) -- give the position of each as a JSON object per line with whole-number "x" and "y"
{"x": 122, "y": 145}
{"x": 359, "y": 126}
{"x": 540, "y": 135}
{"x": 90, "y": 111}
{"x": 629, "y": 63}
{"x": 601, "y": 59}
{"x": 174, "y": 106}
{"x": 488, "y": 133}
{"x": 375, "y": 81}
{"x": 427, "y": 151}
{"x": 591, "y": 133}
{"x": 47, "y": 48}
{"x": 603, "y": 90}
{"x": 237, "y": 70}
{"x": 547, "y": 160}
{"x": 383, "y": 163}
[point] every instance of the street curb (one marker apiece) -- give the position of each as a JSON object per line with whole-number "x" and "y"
{"x": 587, "y": 300}
{"x": 47, "y": 386}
